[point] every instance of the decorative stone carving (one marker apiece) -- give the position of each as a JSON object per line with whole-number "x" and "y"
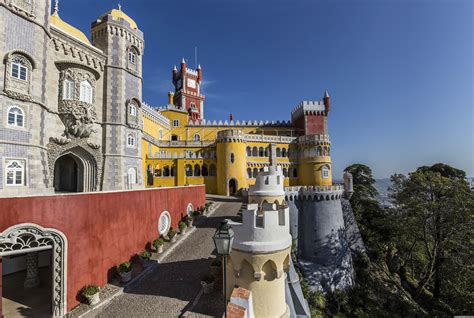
{"x": 32, "y": 277}
{"x": 24, "y": 7}
{"x": 27, "y": 236}
{"x": 16, "y": 88}
{"x": 78, "y": 116}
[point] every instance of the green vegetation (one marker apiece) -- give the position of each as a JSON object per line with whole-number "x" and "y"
{"x": 125, "y": 267}
{"x": 419, "y": 259}
{"x": 90, "y": 290}
{"x": 171, "y": 233}
{"x": 145, "y": 255}
{"x": 158, "y": 242}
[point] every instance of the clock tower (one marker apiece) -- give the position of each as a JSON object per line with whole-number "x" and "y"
{"x": 187, "y": 96}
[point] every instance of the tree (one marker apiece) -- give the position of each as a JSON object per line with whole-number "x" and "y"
{"x": 435, "y": 212}
{"x": 363, "y": 180}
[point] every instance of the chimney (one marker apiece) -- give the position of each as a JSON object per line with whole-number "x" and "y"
{"x": 199, "y": 73}
{"x": 170, "y": 98}
{"x": 183, "y": 67}
{"x": 326, "y": 101}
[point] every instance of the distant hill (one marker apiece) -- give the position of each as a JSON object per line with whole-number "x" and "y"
{"x": 382, "y": 186}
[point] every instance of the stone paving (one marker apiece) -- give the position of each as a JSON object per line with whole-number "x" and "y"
{"x": 171, "y": 289}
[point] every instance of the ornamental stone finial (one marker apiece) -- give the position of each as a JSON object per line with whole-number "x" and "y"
{"x": 119, "y": 6}
{"x": 56, "y": 6}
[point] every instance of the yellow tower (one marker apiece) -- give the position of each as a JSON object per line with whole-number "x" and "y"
{"x": 315, "y": 166}
{"x": 231, "y": 172}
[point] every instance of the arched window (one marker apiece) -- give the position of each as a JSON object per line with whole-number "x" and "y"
{"x": 86, "y": 92}
{"x": 19, "y": 69}
{"x": 249, "y": 173}
{"x": 212, "y": 171}
{"x": 193, "y": 105}
{"x": 166, "y": 171}
{"x": 285, "y": 172}
{"x": 278, "y": 152}
{"x": 325, "y": 151}
{"x": 255, "y": 172}
{"x": 15, "y": 172}
{"x": 197, "y": 170}
{"x": 325, "y": 172}
{"x": 132, "y": 57}
{"x": 197, "y": 137}
{"x": 68, "y": 89}
{"x": 158, "y": 171}
{"x": 189, "y": 170}
{"x": 204, "y": 170}
{"x": 249, "y": 152}
{"x": 261, "y": 152}
{"x": 132, "y": 109}
{"x": 295, "y": 173}
{"x": 173, "y": 171}
{"x": 283, "y": 152}
{"x": 232, "y": 158}
{"x": 266, "y": 152}
{"x": 174, "y": 138}
{"x": 15, "y": 117}
{"x": 328, "y": 151}
{"x": 132, "y": 176}
{"x": 319, "y": 152}
{"x": 131, "y": 142}
{"x": 255, "y": 152}
{"x": 261, "y": 169}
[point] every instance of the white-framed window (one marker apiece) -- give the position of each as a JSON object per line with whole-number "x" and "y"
{"x": 15, "y": 172}
{"x": 132, "y": 57}
{"x": 15, "y": 117}
{"x": 163, "y": 154}
{"x": 131, "y": 141}
{"x": 68, "y": 89}
{"x": 86, "y": 92}
{"x": 19, "y": 71}
{"x": 189, "y": 154}
{"x": 325, "y": 172}
{"x": 132, "y": 175}
{"x": 193, "y": 105}
{"x": 175, "y": 122}
{"x": 132, "y": 110}
{"x": 197, "y": 137}
{"x": 164, "y": 223}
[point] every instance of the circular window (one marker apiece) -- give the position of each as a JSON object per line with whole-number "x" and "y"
{"x": 190, "y": 209}
{"x": 164, "y": 223}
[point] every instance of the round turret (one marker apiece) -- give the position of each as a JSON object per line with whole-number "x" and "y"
{"x": 268, "y": 187}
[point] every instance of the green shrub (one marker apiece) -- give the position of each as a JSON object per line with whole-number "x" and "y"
{"x": 188, "y": 219}
{"x": 145, "y": 255}
{"x": 158, "y": 242}
{"x": 196, "y": 213}
{"x": 171, "y": 233}
{"x": 182, "y": 225}
{"x": 90, "y": 290}
{"x": 125, "y": 267}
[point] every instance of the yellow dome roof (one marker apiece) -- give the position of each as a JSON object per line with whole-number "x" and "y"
{"x": 119, "y": 14}
{"x": 67, "y": 28}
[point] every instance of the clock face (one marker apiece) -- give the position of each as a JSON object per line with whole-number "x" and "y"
{"x": 191, "y": 83}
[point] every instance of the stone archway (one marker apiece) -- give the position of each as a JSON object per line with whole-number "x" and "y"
{"x": 232, "y": 190}
{"x": 30, "y": 238}
{"x": 75, "y": 170}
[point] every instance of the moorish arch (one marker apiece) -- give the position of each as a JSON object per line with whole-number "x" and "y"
{"x": 29, "y": 238}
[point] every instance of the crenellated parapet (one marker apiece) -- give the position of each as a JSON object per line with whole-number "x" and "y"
{"x": 231, "y": 135}
{"x": 244, "y": 123}
{"x": 265, "y": 229}
{"x": 314, "y": 140}
{"x": 314, "y": 193}
{"x": 309, "y": 108}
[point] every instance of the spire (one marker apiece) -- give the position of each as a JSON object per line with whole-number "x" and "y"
{"x": 119, "y": 6}
{"x": 199, "y": 66}
{"x": 175, "y": 69}
{"x": 326, "y": 94}
{"x": 183, "y": 61}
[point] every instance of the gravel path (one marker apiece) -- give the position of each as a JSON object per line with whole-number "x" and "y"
{"x": 171, "y": 288}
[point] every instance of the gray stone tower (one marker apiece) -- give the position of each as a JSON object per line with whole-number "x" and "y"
{"x": 118, "y": 36}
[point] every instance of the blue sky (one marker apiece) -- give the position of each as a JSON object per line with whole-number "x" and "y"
{"x": 399, "y": 72}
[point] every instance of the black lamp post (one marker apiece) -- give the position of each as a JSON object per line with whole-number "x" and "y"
{"x": 223, "y": 240}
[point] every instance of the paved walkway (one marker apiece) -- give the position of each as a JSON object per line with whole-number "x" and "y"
{"x": 171, "y": 288}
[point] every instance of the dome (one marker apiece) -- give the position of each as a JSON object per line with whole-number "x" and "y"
{"x": 119, "y": 14}
{"x": 56, "y": 21}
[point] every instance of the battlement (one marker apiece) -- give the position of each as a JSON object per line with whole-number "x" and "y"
{"x": 191, "y": 71}
{"x": 239, "y": 123}
{"x": 308, "y": 108}
{"x": 263, "y": 231}
{"x": 269, "y": 182}
{"x": 153, "y": 114}
{"x": 314, "y": 139}
{"x": 323, "y": 193}
{"x": 230, "y": 135}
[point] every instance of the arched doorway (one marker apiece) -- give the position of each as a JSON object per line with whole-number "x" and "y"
{"x": 232, "y": 187}
{"x": 67, "y": 174}
{"x": 75, "y": 171}
{"x": 31, "y": 242}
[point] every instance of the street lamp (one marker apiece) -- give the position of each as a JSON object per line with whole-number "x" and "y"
{"x": 223, "y": 240}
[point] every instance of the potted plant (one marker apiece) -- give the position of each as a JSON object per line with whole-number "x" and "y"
{"x": 189, "y": 221}
{"x": 145, "y": 258}
{"x": 182, "y": 228}
{"x": 207, "y": 283}
{"x": 158, "y": 244}
{"x": 172, "y": 235}
{"x": 125, "y": 271}
{"x": 91, "y": 293}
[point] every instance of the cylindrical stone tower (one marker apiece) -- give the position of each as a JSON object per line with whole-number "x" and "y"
{"x": 232, "y": 167}
{"x": 268, "y": 187}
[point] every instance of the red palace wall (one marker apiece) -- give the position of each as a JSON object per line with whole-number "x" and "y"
{"x": 312, "y": 124}
{"x": 103, "y": 229}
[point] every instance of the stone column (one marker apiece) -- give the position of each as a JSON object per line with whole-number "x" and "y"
{"x": 32, "y": 278}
